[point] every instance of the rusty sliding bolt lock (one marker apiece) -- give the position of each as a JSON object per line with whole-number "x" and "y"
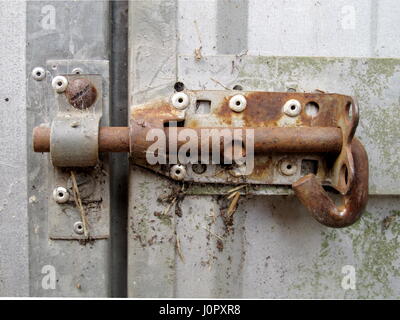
{"x": 303, "y": 140}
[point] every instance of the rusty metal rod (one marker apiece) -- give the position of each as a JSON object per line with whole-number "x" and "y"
{"x": 111, "y": 139}
{"x": 266, "y": 140}
{"x": 290, "y": 139}
{"x": 313, "y": 196}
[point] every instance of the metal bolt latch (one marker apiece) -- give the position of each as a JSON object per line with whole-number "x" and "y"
{"x": 317, "y": 135}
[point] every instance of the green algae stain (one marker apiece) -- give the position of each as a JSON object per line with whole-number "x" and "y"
{"x": 376, "y": 250}
{"x": 374, "y": 243}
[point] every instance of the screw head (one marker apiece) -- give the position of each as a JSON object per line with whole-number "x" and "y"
{"x": 60, "y": 195}
{"x": 292, "y": 108}
{"x": 38, "y": 73}
{"x": 81, "y": 93}
{"x": 238, "y": 103}
{"x": 59, "y": 83}
{"x": 180, "y": 100}
{"x": 178, "y": 172}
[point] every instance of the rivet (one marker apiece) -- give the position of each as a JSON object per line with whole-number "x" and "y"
{"x": 178, "y": 172}
{"x": 59, "y": 84}
{"x": 38, "y": 73}
{"x": 60, "y": 195}
{"x": 180, "y": 100}
{"x": 288, "y": 168}
{"x": 78, "y": 227}
{"x": 292, "y": 108}
{"x": 238, "y": 103}
{"x": 77, "y": 71}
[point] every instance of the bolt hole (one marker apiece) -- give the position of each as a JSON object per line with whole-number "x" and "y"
{"x": 6, "y": 99}
{"x": 179, "y": 86}
{"x": 178, "y": 171}
{"x": 59, "y": 83}
{"x": 289, "y": 166}
{"x": 312, "y": 109}
{"x": 309, "y": 166}
{"x": 180, "y": 100}
{"x": 293, "y": 107}
{"x": 79, "y": 227}
{"x": 238, "y": 87}
{"x": 199, "y": 168}
{"x": 238, "y": 103}
{"x": 38, "y": 73}
{"x": 60, "y": 194}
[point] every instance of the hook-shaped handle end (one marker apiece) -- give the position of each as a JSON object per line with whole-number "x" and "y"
{"x": 313, "y": 196}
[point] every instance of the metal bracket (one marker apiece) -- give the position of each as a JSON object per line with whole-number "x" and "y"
{"x": 79, "y": 182}
{"x": 74, "y": 132}
{"x": 313, "y": 137}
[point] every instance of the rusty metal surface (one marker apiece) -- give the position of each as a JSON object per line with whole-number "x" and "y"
{"x": 276, "y": 250}
{"x": 328, "y": 130}
{"x": 111, "y": 139}
{"x": 81, "y": 93}
{"x": 41, "y": 139}
{"x": 114, "y": 139}
{"x": 310, "y": 192}
{"x": 373, "y": 81}
{"x": 284, "y": 132}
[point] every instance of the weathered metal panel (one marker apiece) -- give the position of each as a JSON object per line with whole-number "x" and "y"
{"x": 341, "y": 28}
{"x": 152, "y": 72}
{"x": 14, "y": 273}
{"x": 57, "y": 30}
{"x": 374, "y": 82}
{"x": 272, "y": 248}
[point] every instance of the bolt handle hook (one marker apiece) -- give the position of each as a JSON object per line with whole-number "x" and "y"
{"x": 313, "y": 196}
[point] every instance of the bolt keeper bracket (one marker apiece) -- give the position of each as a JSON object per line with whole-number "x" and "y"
{"x": 74, "y": 134}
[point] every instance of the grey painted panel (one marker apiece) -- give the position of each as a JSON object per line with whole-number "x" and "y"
{"x": 14, "y": 274}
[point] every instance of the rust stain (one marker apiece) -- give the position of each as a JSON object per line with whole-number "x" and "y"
{"x": 264, "y": 109}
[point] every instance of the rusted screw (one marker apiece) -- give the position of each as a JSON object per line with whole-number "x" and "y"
{"x": 81, "y": 93}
